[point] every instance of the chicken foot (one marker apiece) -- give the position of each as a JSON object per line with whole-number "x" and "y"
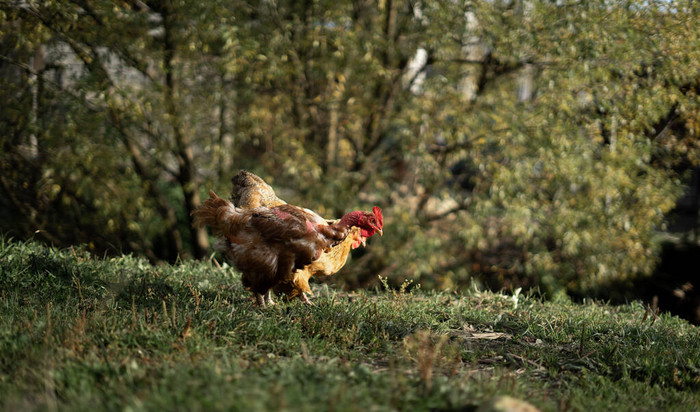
{"x": 265, "y": 300}
{"x": 259, "y": 300}
{"x": 305, "y": 299}
{"x": 268, "y": 298}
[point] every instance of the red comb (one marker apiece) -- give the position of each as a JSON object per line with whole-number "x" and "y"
{"x": 378, "y": 214}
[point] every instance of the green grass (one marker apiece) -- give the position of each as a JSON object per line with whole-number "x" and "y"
{"x": 118, "y": 334}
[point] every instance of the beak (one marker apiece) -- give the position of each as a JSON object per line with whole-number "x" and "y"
{"x": 381, "y": 233}
{"x": 364, "y": 241}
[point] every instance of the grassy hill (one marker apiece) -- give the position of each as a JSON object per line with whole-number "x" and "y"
{"x": 82, "y": 333}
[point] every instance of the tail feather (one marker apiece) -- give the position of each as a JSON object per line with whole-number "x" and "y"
{"x": 219, "y": 214}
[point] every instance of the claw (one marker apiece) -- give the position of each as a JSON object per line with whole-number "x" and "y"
{"x": 305, "y": 299}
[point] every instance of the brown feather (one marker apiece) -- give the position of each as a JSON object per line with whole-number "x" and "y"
{"x": 329, "y": 263}
{"x": 250, "y": 191}
{"x": 267, "y": 245}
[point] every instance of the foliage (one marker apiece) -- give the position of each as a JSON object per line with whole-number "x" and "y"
{"x": 118, "y": 333}
{"x": 528, "y": 143}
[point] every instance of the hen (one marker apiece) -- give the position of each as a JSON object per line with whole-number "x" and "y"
{"x": 267, "y": 245}
{"x": 250, "y": 191}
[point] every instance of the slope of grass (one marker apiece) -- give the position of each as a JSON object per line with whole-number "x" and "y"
{"x": 78, "y": 332}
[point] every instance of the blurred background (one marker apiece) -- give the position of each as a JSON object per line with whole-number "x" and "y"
{"x": 549, "y": 145}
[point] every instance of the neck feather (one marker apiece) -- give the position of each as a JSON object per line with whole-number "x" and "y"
{"x": 351, "y": 219}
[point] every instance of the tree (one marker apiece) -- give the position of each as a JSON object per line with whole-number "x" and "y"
{"x": 510, "y": 142}
{"x": 124, "y": 102}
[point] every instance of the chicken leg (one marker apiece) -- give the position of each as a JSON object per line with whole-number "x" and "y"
{"x": 268, "y": 298}
{"x": 263, "y": 301}
{"x": 305, "y": 299}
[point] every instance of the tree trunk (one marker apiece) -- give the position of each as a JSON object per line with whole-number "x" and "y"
{"x": 526, "y": 78}
{"x": 473, "y": 51}
{"x": 526, "y": 83}
{"x": 187, "y": 176}
{"x": 332, "y": 150}
{"x": 222, "y": 150}
{"x": 172, "y": 233}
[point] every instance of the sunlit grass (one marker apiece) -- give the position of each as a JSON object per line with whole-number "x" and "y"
{"x": 78, "y": 332}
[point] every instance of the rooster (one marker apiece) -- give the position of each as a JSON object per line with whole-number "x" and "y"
{"x": 268, "y": 245}
{"x": 250, "y": 191}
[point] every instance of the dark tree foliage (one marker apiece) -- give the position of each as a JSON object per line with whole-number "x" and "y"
{"x": 529, "y": 143}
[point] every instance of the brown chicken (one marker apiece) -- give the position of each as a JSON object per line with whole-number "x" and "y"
{"x": 268, "y": 245}
{"x": 250, "y": 191}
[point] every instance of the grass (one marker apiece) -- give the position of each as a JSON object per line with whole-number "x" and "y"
{"x": 78, "y": 332}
